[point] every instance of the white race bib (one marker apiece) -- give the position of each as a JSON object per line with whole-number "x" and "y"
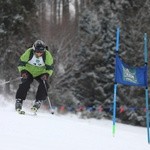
{"x": 37, "y": 61}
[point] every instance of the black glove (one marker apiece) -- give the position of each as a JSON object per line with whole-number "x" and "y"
{"x": 45, "y": 77}
{"x": 24, "y": 74}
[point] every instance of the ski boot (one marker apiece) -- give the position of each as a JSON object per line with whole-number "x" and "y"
{"x": 18, "y": 106}
{"x": 20, "y": 111}
{"x": 36, "y": 106}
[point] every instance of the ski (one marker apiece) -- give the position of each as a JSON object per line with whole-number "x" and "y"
{"x": 32, "y": 113}
{"x": 27, "y": 113}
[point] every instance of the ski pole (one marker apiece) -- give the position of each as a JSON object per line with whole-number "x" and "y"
{"x": 16, "y": 79}
{"x": 50, "y": 104}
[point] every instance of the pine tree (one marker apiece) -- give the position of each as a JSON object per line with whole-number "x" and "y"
{"x": 16, "y": 27}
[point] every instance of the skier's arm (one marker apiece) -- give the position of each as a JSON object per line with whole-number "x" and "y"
{"x": 23, "y": 60}
{"x": 49, "y": 63}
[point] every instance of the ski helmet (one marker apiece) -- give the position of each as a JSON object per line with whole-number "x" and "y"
{"x": 39, "y": 45}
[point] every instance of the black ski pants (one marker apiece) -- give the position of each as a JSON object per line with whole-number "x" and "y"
{"x": 24, "y": 87}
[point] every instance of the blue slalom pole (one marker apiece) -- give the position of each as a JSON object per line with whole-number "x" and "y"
{"x": 115, "y": 85}
{"x": 146, "y": 89}
{"x": 117, "y": 39}
{"x": 147, "y": 115}
{"x": 114, "y": 110}
{"x": 145, "y": 49}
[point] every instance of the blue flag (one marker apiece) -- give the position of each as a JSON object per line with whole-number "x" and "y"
{"x": 127, "y": 75}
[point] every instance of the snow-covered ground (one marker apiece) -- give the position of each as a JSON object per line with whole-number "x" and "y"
{"x": 57, "y": 132}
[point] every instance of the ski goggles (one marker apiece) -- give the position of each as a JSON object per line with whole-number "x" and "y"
{"x": 39, "y": 51}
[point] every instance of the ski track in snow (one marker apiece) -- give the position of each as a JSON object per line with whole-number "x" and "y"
{"x": 67, "y": 132}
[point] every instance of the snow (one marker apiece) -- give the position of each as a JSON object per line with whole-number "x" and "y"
{"x": 66, "y": 132}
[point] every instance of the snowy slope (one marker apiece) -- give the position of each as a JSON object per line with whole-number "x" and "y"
{"x": 57, "y": 132}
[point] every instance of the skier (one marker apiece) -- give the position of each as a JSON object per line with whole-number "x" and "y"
{"x": 36, "y": 63}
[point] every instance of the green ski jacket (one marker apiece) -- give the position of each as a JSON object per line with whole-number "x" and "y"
{"x": 36, "y": 66}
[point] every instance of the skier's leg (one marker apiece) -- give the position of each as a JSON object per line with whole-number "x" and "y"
{"x": 41, "y": 93}
{"x": 22, "y": 91}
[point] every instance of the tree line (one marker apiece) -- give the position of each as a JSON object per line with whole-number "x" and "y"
{"x": 81, "y": 36}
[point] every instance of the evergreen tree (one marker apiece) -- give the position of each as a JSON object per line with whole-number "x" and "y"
{"x": 17, "y": 32}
